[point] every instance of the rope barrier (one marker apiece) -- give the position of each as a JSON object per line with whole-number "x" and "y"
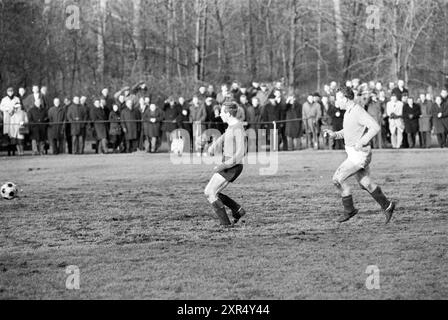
{"x": 91, "y": 122}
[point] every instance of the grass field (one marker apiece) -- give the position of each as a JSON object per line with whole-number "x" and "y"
{"x": 139, "y": 227}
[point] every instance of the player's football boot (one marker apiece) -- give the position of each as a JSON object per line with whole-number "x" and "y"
{"x": 220, "y": 211}
{"x": 389, "y": 212}
{"x": 238, "y": 215}
{"x": 347, "y": 216}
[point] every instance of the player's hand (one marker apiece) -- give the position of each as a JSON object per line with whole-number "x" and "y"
{"x": 211, "y": 151}
{"x": 439, "y": 115}
{"x": 359, "y": 147}
{"x": 329, "y": 133}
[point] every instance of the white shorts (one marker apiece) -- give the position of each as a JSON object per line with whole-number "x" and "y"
{"x": 360, "y": 158}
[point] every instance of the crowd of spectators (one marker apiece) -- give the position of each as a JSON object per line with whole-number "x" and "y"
{"x": 129, "y": 121}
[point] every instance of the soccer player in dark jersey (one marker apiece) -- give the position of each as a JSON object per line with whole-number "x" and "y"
{"x": 233, "y": 143}
{"x": 359, "y": 129}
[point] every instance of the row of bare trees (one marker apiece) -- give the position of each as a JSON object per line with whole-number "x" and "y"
{"x": 176, "y": 44}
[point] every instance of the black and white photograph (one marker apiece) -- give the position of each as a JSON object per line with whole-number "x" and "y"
{"x": 236, "y": 152}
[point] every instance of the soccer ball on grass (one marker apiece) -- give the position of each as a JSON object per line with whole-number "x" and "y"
{"x": 9, "y": 191}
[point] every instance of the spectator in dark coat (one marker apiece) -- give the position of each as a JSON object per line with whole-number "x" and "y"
{"x": 78, "y": 117}
{"x": 107, "y": 101}
{"x": 171, "y": 119}
{"x": 250, "y": 115}
{"x": 115, "y": 131}
{"x": 400, "y": 90}
{"x": 211, "y": 92}
{"x": 444, "y": 95}
{"x": 107, "y": 110}
{"x": 270, "y": 114}
{"x": 218, "y": 124}
{"x": 121, "y": 102}
{"x": 244, "y": 103}
{"x": 253, "y": 90}
{"x": 411, "y": 115}
{"x": 385, "y": 132}
{"x": 67, "y": 127}
{"x": 89, "y": 125}
{"x": 138, "y": 91}
{"x": 209, "y": 109}
{"x": 129, "y": 120}
{"x": 258, "y": 114}
{"x": 30, "y": 101}
{"x": 424, "y": 123}
{"x": 337, "y": 121}
{"x": 439, "y": 113}
{"x": 152, "y": 121}
{"x": 374, "y": 108}
{"x": 38, "y": 118}
{"x": 202, "y": 93}
{"x": 254, "y": 122}
{"x": 21, "y": 94}
{"x": 325, "y": 123}
{"x": 98, "y": 117}
{"x": 235, "y": 91}
{"x": 184, "y": 121}
{"x": 56, "y": 117}
{"x": 143, "y": 105}
{"x": 293, "y": 129}
{"x": 45, "y": 98}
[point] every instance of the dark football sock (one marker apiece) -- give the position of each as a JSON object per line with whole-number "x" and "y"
{"x": 228, "y": 202}
{"x": 379, "y": 197}
{"x": 220, "y": 210}
{"x": 348, "y": 204}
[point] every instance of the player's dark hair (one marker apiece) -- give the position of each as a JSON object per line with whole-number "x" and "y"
{"x": 347, "y": 92}
{"x": 231, "y": 108}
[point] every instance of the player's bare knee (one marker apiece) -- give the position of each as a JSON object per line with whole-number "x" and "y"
{"x": 366, "y": 185}
{"x": 337, "y": 182}
{"x": 210, "y": 194}
{"x": 207, "y": 192}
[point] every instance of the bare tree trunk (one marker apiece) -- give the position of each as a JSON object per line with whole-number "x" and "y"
{"x": 395, "y": 66}
{"x": 223, "y": 44}
{"x": 100, "y": 39}
{"x": 251, "y": 43}
{"x": 339, "y": 33}
{"x": 46, "y": 19}
{"x": 445, "y": 48}
{"x": 176, "y": 42}
{"x": 169, "y": 39}
{"x": 197, "y": 55}
{"x": 319, "y": 32}
{"x": 269, "y": 47}
{"x": 137, "y": 36}
{"x": 292, "y": 44}
{"x": 204, "y": 39}
{"x": 283, "y": 56}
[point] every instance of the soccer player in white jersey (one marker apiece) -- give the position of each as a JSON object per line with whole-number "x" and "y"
{"x": 358, "y": 130}
{"x": 233, "y": 143}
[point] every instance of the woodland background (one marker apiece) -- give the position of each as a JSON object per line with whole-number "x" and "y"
{"x": 175, "y": 45}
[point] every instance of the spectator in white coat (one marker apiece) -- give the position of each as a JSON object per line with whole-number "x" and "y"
{"x": 396, "y": 125}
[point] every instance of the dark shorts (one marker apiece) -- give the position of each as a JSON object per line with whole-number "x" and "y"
{"x": 233, "y": 173}
{"x": 15, "y": 141}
